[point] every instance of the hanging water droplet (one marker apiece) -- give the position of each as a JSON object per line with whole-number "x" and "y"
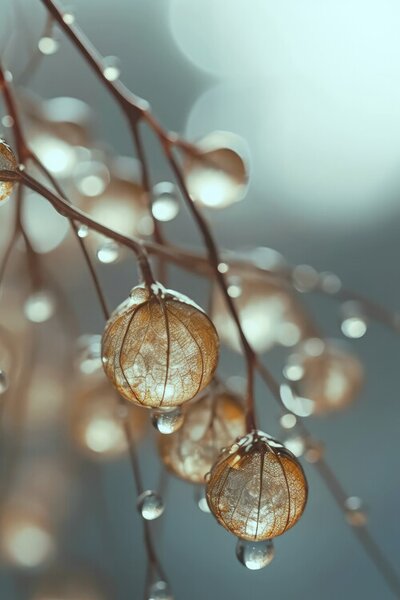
{"x": 68, "y": 18}
{"x": 165, "y": 206}
{"x": 39, "y": 307}
{"x": 83, "y": 231}
{"x": 305, "y": 278}
{"x": 201, "y": 500}
{"x": 255, "y": 555}
{"x": 329, "y": 282}
{"x": 108, "y": 253}
{"x": 223, "y": 267}
{"x": 111, "y": 70}
{"x": 89, "y": 354}
{"x": 354, "y": 327}
{"x": 288, "y": 421}
{"x": 355, "y": 512}
{"x": 296, "y": 445}
{"x": 159, "y": 590}
{"x": 48, "y": 45}
{"x": 354, "y": 322}
{"x": 7, "y": 121}
{"x": 235, "y": 287}
{"x": 167, "y": 421}
{"x": 150, "y": 505}
{"x": 3, "y": 382}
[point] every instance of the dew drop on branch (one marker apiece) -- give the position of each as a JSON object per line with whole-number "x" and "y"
{"x": 150, "y": 505}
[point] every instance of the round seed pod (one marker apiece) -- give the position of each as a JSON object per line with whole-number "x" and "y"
{"x": 325, "y": 373}
{"x": 97, "y": 420}
{"x": 269, "y": 312}
{"x": 8, "y": 162}
{"x": 159, "y": 348}
{"x": 218, "y": 175}
{"x": 257, "y": 489}
{"x": 214, "y": 421}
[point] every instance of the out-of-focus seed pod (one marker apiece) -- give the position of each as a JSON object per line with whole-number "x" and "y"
{"x": 325, "y": 374}
{"x": 211, "y": 423}
{"x": 217, "y": 176}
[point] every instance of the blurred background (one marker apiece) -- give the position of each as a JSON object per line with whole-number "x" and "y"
{"x": 313, "y": 89}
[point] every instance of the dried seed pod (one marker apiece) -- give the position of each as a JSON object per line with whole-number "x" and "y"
{"x": 8, "y": 162}
{"x": 214, "y": 421}
{"x": 257, "y": 489}
{"x": 122, "y": 206}
{"x": 324, "y": 373}
{"x": 268, "y": 311}
{"x": 96, "y": 419}
{"x": 159, "y": 348}
{"x": 217, "y": 176}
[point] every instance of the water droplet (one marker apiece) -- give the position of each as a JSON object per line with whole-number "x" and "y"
{"x": 330, "y": 283}
{"x": 167, "y": 421}
{"x": 255, "y": 555}
{"x": 91, "y": 177}
{"x": 48, "y": 45}
{"x": 150, "y": 505}
{"x": 68, "y": 18}
{"x": 111, "y": 70}
{"x": 305, "y": 278}
{"x": 288, "y": 421}
{"x": 201, "y": 500}
{"x": 296, "y": 445}
{"x": 89, "y": 353}
{"x": 7, "y": 121}
{"x": 3, "y": 382}
{"x": 354, "y": 327}
{"x": 39, "y": 307}
{"x": 159, "y": 590}
{"x": 355, "y": 512}
{"x": 223, "y": 267}
{"x": 234, "y": 291}
{"x": 165, "y": 206}
{"x": 83, "y": 231}
{"x": 108, "y": 253}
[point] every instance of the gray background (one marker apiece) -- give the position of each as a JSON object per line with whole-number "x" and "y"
{"x": 314, "y": 90}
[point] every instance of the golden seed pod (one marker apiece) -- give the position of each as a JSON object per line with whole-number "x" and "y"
{"x": 97, "y": 420}
{"x": 268, "y": 312}
{"x": 8, "y": 162}
{"x": 159, "y": 349}
{"x": 122, "y": 206}
{"x": 326, "y": 374}
{"x": 257, "y": 489}
{"x": 217, "y": 177}
{"x": 212, "y": 422}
